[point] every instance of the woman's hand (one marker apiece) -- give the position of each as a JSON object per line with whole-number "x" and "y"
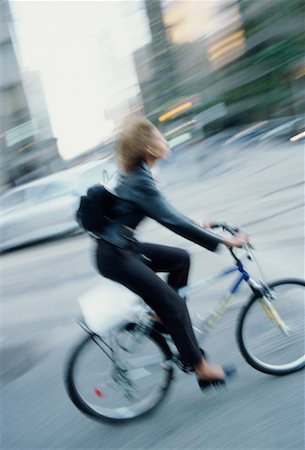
{"x": 207, "y": 223}
{"x": 238, "y": 240}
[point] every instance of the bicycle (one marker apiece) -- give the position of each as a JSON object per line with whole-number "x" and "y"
{"x": 124, "y": 370}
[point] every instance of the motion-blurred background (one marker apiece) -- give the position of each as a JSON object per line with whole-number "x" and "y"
{"x": 71, "y": 70}
{"x": 224, "y": 80}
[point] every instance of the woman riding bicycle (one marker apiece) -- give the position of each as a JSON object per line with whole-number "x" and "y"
{"x": 134, "y": 264}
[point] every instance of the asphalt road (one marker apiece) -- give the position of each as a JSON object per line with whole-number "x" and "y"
{"x": 261, "y": 189}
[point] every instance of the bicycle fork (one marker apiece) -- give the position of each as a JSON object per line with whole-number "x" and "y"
{"x": 264, "y": 294}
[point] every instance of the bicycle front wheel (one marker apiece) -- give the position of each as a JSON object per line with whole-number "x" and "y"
{"x": 128, "y": 387}
{"x": 274, "y": 343}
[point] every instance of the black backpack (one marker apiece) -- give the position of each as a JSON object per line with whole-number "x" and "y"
{"x": 95, "y": 209}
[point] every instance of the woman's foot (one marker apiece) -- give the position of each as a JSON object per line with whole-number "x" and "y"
{"x": 206, "y": 371}
{"x": 209, "y": 375}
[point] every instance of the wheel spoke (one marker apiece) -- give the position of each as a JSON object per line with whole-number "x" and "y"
{"x": 135, "y": 385}
{"x": 271, "y": 330}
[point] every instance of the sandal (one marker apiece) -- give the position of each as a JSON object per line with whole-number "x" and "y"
{"x": 229, "y": 371}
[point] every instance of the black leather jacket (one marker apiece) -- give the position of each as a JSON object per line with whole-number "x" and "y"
{"x": 137, "y": 198}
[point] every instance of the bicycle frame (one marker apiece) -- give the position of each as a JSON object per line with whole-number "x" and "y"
{"x": 205, "y": 325}
{"x": 208, "y": 323}
{"x": 261, "y": 290}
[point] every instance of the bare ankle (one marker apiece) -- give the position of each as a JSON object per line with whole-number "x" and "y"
{"x": 201, "y": 366}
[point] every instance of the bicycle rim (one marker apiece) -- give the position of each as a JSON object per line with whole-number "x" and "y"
{"x": 100, "y": 391}
{"x": 264, "y": 345}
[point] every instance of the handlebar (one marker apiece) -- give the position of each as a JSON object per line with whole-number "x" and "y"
{"x": 233, "y": 230}
{"x": 247, "y": 247}
{"x": 226, "y": 227}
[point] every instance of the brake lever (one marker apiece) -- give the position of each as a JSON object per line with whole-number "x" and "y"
{"x": 236, "y": 230}
{"x": 248, "y": 247}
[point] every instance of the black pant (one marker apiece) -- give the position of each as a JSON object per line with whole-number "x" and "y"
{"x": 127, "y": 268}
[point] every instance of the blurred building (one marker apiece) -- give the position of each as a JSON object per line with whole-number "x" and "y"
{"x": 162, "y": 77}
{"x": 119, "y": 77}
{"x": 25, "y": 151}
{"x": 37, "y": 104}
{"x": 245, "y": 57}
{"x": 187, "y": 25}
{"x": 187, "y": 22}
{"x": 174, "y": 65}
{"x": 225, "y": 40}
{"x": 144, "y": 67}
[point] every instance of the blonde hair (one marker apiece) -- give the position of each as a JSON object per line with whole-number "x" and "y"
{"x": 135, "y": 137}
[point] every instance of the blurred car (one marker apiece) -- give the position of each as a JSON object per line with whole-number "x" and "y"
{"x": 88, "y": 174}
{"x": 281, "y": 129}
{"x": 248, "y": 135}
{"x": 288, "y": 129}
{"x": 46, "y": 207}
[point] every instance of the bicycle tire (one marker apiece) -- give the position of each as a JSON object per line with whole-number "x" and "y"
{"x": 121, "y": 413}
{"x": 257, "y": 362}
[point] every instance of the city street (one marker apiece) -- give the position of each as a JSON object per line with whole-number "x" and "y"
{"x": 260, "y": 188}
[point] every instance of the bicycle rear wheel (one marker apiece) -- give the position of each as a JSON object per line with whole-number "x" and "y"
{"x": 264, "y": 345}
{"x": 131, "y": 386}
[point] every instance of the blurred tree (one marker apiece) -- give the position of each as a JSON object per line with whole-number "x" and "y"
{"x": 266, "y": 73}
{"x": 266, "y": 80}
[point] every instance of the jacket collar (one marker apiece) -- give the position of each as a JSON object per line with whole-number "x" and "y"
{"x": 143, "y": 164}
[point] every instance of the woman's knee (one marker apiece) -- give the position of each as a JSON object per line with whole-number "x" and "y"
{"x": 184, "y": 257}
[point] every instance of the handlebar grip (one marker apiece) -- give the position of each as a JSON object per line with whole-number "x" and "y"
{"x": 228, "y": 228}
{"x": 217, "y": 225}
